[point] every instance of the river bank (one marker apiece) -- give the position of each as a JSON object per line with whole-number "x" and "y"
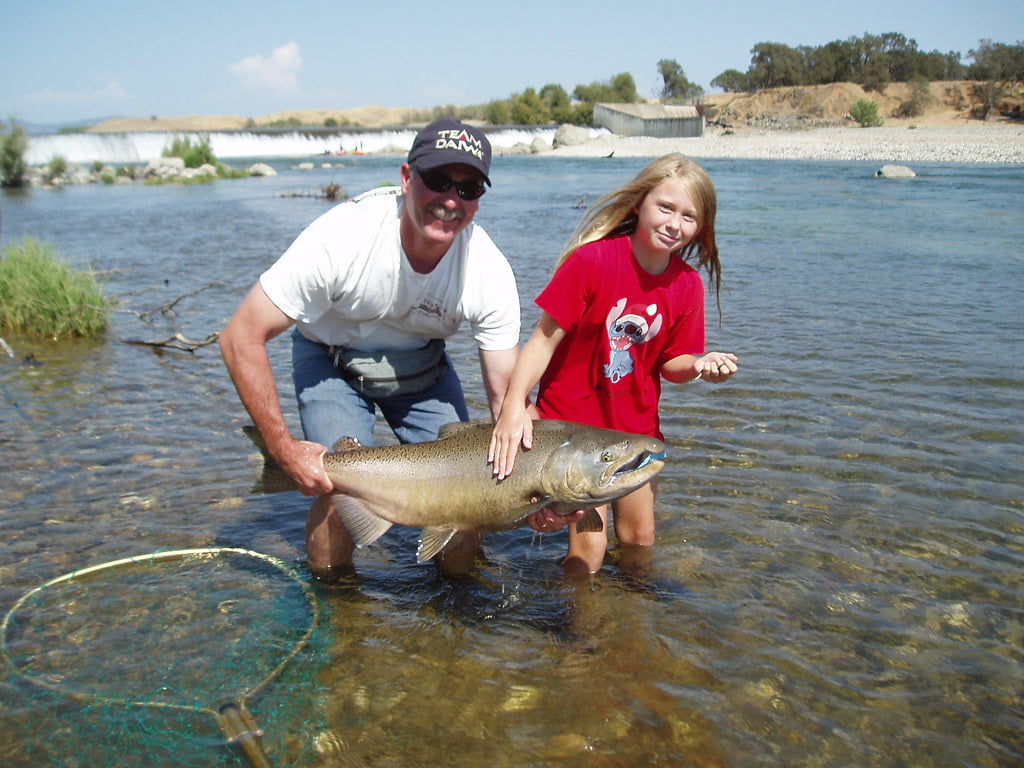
{"x": 971, "y": 142}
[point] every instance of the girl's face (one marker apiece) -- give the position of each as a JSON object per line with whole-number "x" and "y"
{"x": 666, "y": 221}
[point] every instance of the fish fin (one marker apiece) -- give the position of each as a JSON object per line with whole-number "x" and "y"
{"x": 458, "y": 426}
{"x": 255, "y": 437}
{"x": 273, "y": 479}
{"x": 364, "y": 526}
{"x": 591, "y": 522}
{"x": 519, "y": 513}
{"x": 346, "y": 444}
{"x": 433, "y": 540}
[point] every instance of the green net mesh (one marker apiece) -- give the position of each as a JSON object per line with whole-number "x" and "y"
{"x": 162, "y": 655}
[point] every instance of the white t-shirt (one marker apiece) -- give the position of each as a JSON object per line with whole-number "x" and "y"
{"x": 346, "y": 282}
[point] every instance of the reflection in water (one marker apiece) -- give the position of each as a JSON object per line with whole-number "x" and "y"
{"x": 836, "y": 579}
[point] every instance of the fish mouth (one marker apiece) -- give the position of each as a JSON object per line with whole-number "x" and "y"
{"x": 639, "y": 461}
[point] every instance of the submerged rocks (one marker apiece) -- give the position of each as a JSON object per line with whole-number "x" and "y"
{"x": 895, "y": 172}
{"x": 161, "y": 170}
{"x": 261, "y": 169}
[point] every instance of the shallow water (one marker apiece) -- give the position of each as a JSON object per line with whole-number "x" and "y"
{"x": 837, "y": 577}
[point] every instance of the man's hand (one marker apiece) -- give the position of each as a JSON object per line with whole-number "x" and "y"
{"x": 548, "y": 521}
{"x": 304, "y": 463}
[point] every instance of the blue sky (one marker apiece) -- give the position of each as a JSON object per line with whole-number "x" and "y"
{"x": 66, "y": 60}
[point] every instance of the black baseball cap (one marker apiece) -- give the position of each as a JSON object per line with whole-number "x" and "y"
{"x": 446, "y": 142}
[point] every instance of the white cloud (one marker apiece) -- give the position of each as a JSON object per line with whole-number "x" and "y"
{"x": 277, "y": 73}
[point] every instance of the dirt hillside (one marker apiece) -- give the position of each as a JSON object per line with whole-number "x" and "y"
{"x": 816, "y": 106}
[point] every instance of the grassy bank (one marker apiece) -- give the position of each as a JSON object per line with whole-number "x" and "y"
{"x": 42, "y": 296}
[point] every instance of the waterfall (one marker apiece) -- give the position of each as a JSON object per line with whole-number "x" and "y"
{"x": 141, "y": 147}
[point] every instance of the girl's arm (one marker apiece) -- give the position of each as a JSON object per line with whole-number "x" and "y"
{"x": 496, "y": 366}
{"x": 514, "y": 425}
{"x": 715, "y": 367}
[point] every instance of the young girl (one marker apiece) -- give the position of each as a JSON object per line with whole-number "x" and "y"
{"x": 624, "y": 308}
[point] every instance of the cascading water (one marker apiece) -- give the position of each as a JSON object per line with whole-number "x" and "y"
{"x": 141, "y": 147}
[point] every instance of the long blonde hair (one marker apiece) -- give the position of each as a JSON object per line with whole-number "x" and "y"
{"x": 615, "y": 213}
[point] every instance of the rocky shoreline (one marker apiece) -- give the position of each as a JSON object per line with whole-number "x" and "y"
{"x": 975, "y": 142}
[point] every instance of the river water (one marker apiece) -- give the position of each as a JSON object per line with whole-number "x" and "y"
{"x": 837, "y": 575}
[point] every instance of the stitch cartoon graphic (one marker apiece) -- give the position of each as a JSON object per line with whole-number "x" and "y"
{"x": 635, "y": 325}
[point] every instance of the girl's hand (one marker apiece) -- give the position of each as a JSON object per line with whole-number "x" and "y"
{"x": 514, "y": 427}
{"x": 716, "y": 367}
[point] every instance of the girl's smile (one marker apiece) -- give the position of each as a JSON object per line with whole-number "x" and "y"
{"x": 666, "y": 221}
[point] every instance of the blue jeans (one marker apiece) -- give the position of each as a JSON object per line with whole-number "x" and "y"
{"x": 330, "y": 408}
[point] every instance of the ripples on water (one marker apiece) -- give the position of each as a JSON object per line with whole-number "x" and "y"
{"x": 837, "y": 574}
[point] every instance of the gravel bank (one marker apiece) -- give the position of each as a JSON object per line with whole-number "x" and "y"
{"x": 976, "y": 143}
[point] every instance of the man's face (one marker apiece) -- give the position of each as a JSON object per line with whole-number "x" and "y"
{"x": 437, "y": 216}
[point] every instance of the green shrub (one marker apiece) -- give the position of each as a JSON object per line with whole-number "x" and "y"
{"x": 13, "y": 147}
{"x": 918, "y": 100}
{"x": 42, "y": 296}
{"x": 227, "y": 172}
{"x": 194, "y": 155}
{"x": 56, "y": 168}
{"x": 865, "y": 112}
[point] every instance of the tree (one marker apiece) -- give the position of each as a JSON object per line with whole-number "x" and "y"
{"x": 774, "y": 65}
{"x": 829, "y": 63}
{"x": 998, "y": 65}
{"x": 731, "y": 81}
{"x": 557, "y": 103}
{"x": 997, "y": 61}
{"x": 497, "y": 113}
{"x": 676, "y": 84}
{"x": 13, "y": 147}
{"x": 528, "y": 109}
{"x": 624, "y": 87}
{"x": 620, "y": 89}
{"x": 901, "y": 56}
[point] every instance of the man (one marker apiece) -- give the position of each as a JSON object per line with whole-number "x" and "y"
{"x": 372, "y": 288}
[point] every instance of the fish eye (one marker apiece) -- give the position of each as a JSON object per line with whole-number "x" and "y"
{"x": 606, "y": 456}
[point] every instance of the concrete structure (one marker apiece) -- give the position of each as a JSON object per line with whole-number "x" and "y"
{"x": 660, "y": 121}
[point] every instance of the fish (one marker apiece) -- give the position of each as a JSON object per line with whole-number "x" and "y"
{"x": 446, "y": 486}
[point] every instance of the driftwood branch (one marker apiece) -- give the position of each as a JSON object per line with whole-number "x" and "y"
{"x": 177, "y": 341}
{"x": 168, "y": 308}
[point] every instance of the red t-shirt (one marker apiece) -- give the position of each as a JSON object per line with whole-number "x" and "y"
{"x": 622, "y": 324}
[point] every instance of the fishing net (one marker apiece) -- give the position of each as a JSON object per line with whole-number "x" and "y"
{"x": 140, "y": 654}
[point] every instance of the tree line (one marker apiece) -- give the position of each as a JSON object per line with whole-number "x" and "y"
{"x": 871, "y": 61}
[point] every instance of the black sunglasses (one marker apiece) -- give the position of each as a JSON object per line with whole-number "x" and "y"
{"x": 439, "y": 181}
